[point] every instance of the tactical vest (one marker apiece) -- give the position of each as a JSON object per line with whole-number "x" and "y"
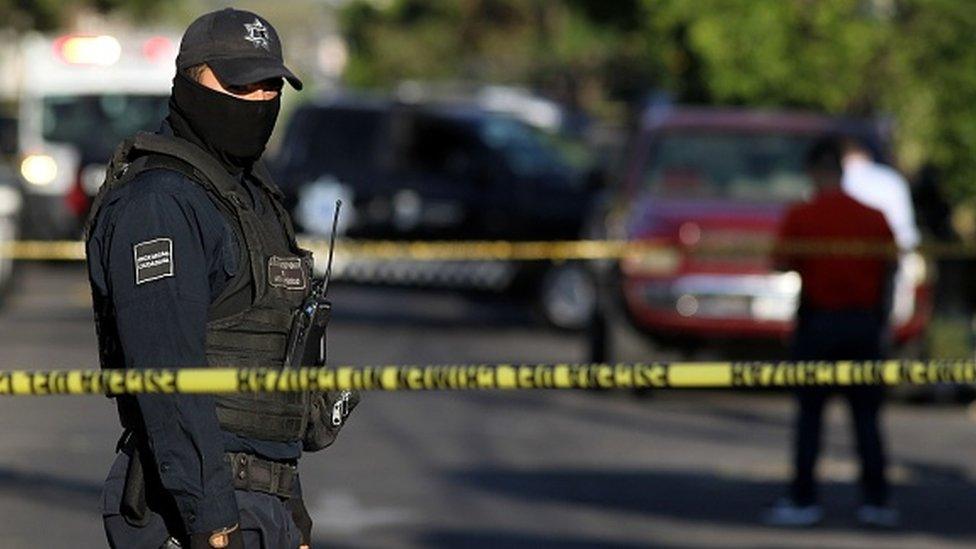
{"x": 271, "y": 267}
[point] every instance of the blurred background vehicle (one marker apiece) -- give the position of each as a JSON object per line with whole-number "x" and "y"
{"x": 73, "y": 98}
{"x": 10, "y": 212}
{"x": 699, "y": 179}
{"x": 441, "y": 171}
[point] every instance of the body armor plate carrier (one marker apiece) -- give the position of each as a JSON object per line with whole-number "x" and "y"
{"x": 258, "y": 334}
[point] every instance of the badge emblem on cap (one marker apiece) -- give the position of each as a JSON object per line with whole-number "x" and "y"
{"x": 257, "y": 34}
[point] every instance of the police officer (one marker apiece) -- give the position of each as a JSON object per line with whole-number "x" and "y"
{"x": 193, "y": 262}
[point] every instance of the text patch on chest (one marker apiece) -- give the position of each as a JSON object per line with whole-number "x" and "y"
{"x": 153, "y": 259}
{"x": 287, "y": 273}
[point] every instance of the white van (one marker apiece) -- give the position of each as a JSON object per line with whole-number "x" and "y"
{"x": 74, "y": 98}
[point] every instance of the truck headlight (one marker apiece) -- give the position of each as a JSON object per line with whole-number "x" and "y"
{"x": 652, "y": 262}
{"x": 39, "y": 169}
{"x": 915, "y": 269}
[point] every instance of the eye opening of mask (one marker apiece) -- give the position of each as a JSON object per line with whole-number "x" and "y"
{"x": 196, "y": 72}
{"x": 271, "y": 84}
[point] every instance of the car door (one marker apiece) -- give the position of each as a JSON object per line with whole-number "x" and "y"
{"x": 435, "y": 190}
{"x": 331, "y": 153}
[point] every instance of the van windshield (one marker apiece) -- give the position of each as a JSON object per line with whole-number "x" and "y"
{"x": 95, "y": 124}
{"x": 758, "y": 167}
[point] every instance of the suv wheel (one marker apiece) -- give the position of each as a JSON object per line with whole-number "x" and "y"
{"x": 567, "y": 296}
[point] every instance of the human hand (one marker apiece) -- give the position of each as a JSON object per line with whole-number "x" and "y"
{"x": 225, "y": 538}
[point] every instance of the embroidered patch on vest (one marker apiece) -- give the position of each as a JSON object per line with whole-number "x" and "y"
{"x": 287, "y": 273}
{"x": 153, "y": 259}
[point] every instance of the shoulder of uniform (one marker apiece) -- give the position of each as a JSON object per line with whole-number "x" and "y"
{"x": 166, "y": 177}
{"x": 161, "y": 179}
{"x": 158, "y": 186}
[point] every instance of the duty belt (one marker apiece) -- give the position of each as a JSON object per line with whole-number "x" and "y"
{"x": 260, "y": 475}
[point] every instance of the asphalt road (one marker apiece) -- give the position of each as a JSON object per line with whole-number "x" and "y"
{"x": 491, "y": 469}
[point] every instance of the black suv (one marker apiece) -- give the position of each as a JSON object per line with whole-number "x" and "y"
{"x": 439, "y": 172}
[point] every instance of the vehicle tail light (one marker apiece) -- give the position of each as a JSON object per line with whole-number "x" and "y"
{"x": 77, "y": 200}
{"x": 100, "y": 51}
{"x": 158, "y": 49}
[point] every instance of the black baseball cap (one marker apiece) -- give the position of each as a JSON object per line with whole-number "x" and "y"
{"x": 241, "y": 48}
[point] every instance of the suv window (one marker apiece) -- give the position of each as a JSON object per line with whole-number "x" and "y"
{"x": 337, "y": 141}
{"x": 450, "y": 146}
{"x": 527, "y": 150}
{"x": 439, "y": 146}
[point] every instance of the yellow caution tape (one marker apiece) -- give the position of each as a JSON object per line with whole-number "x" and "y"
{"x": 658, "y": 375}
{"x": 560, "y": 250}
{"x": 43, "y": 250}
{"x": 380, "y": 250}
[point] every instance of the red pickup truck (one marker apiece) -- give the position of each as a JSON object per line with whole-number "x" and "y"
{"x": 711, "y": 179}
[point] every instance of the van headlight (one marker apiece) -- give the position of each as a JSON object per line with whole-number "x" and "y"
{"x": 39, "y": 169}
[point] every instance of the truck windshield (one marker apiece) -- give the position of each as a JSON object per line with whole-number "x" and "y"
{"x": 729, "y": 166}
{"x": 95, "y": 124}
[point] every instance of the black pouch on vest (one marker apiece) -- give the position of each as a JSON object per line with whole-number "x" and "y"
{"x": 306, "y": 347}
{"x": 134, "y": 506}
{"x": 327, "y": 416}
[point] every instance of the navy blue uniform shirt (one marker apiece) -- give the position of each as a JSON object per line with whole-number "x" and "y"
{"x": 162, "y": 323}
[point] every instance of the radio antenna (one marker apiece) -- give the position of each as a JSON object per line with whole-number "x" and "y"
{"x": 332, "y": 239}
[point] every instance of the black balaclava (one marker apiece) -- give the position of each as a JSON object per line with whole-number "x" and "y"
{"x": 235, "y": 131}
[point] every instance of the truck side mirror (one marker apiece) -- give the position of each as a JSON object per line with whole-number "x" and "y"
{"x": 8, "y": 136}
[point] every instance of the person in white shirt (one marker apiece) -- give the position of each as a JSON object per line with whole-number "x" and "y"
{"x": 882, "y": 188}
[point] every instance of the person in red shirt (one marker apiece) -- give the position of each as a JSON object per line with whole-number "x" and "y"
{"x": 843, "y": 315}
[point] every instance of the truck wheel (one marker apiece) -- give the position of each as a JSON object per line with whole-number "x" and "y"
{"x": 567, "y": 297}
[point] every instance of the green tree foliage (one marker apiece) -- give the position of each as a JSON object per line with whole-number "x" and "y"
{"x": 47, "y": 15}
{"x": 580, "y": 51}
{"x": 770, "y": 52}
{"x": 912, "y": 60}
{"x": 932, "y": 88}
{"x": 37, "y": 14}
